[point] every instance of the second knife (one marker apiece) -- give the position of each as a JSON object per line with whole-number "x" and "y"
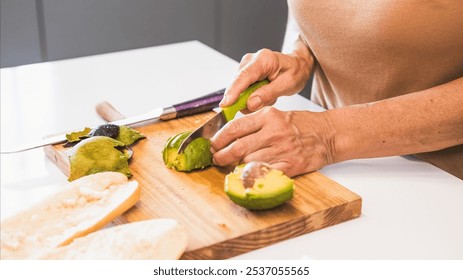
{"x": 190, "y": 107}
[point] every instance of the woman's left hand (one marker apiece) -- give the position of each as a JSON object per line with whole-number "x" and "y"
{"x": 294, "y": 142}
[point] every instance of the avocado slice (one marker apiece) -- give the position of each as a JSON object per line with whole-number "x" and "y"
{"x": 242, "y": 100}
{"x": 256, "y": 186}
{"x": 197, "y": 154}
{"x": 98, "y": 154}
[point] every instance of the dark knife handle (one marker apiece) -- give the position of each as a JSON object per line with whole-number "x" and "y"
{"x": 197, "y": 105}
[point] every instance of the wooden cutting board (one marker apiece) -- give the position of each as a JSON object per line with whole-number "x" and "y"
{"x": 218, "y": 228}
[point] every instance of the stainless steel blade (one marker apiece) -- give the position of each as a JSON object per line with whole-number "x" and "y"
{"x": 61, "y": 138}
{"x": 213, "y": 125}
{"x": 186, "y": 108}
{"x": 150, "y": 116}
{"x": 57, "y": 139}
{"x": 207, "y": 130}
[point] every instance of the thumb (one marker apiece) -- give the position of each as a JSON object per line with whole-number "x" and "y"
{"x": 263, "y": 96}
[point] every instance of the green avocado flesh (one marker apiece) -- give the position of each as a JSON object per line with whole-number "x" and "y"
{"x": 240, "y": 104}
{"x": 269, "y": 191}
{"x": 78, "y": 135}
{"x": 98, "y": 154}
{"x": 128, "y": 135}
{"x": 197, "y": 154}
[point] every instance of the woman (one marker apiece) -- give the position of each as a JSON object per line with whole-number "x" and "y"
{"x": 390, "y": 73}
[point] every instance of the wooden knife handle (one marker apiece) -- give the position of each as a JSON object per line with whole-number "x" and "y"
{"x": 108, "y": 112}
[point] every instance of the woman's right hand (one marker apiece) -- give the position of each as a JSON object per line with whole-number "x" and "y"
{"x": 287, "y": 73}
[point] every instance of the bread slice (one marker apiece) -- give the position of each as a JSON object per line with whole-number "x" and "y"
{"x": 83, "y": 206}
{"x": 154, "y": 239}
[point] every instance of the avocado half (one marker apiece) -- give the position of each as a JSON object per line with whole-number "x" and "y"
{"x": 197, "y": 154}
{"x": 256, "y": 186}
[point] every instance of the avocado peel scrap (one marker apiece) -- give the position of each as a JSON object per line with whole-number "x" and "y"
{"x": 104, "y": 148}
{"x": 124, "y": 134}
{"x": 128, "y": 135}
{"x": 77, "y": 136}
{"x": 98, "y": 154}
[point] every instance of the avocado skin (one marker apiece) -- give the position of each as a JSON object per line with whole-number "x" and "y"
{"x": 260, "y": 196}
{"x": 197, "y": 154}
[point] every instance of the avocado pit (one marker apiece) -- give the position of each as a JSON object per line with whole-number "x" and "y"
{"x": 253, "y": 171}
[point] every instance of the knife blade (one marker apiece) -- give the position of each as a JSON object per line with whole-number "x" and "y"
{"x": 190, "y": 107}
{"x": 209, "y": 128}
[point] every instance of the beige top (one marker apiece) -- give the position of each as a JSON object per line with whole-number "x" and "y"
{"x": 372, "y": 50}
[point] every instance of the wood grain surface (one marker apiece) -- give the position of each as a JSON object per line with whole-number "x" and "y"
{"x": 218, "y": 228}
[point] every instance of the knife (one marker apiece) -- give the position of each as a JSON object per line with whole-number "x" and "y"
{"x": 190, "y": 107}
{"x": 209, "y": 128}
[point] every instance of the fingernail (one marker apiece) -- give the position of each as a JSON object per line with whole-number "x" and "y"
{"x": 212, "y": 150}
{"x": 254, "y": 102}
{"x": 224, "y": 100}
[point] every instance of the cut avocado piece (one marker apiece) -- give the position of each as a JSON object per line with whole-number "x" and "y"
{"x": 256, "y": 186}
{"x": 197, "y": 154}
{"x": 242, "y": 100}
{"x": 98, "y": 154}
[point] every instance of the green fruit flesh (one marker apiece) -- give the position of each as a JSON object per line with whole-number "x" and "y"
{"x": 128, "y": 135}
{"x": 78, "y": 135}
{"x": 268, "y": 192}
{"x": 242, "y": 100}
{"x": 98, "y": 154}
{"x": 197, "y": 154}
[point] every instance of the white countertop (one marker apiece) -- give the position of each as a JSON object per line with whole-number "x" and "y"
{"x": 411, "y": 209}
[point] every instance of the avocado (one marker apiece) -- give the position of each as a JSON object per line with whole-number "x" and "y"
{"x": 197, "y": 154}
{"x": 256, "y": 186}
{"x": 242, "y": 100}
{"x": 98, "y": 154}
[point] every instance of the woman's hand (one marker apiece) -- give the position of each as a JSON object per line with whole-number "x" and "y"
{"x": 287, "y": 73}
{"x": 290, "y": 141}
{"x": 295, "y": 142}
